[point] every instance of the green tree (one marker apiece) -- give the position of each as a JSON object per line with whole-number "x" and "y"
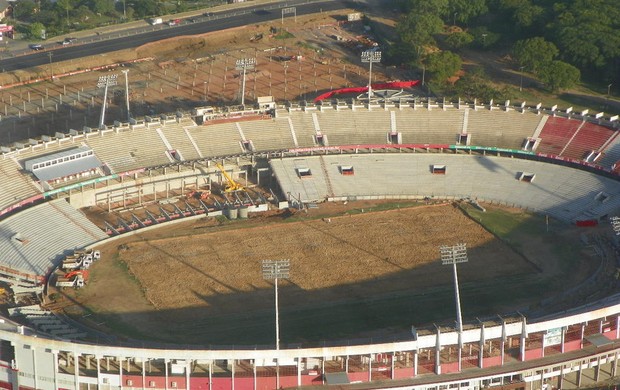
{"x": 559, "y": 75}
{"x": 103, "y": 7}
{"x": 434, "y": 7}
{"x": 588, "y": 33}
{"x": 522, "y": 12}
{"x": 459, "y": 39}
{"x": 483, "y": 37}
{"x": 35, "y": 30}
{"x": 464, "y": 10}
{"x": 443, "y": 64}
{"x": 24, "y": 9}
{"x": 66, "y": 6}
{"x": 534, "y": 52}
{"x": 417, "y": 29}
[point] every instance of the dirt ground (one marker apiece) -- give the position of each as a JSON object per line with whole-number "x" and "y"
{"x": 172, "y": 282}
{"x": 186, "y": 72}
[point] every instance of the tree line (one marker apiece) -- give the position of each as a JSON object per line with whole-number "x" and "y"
{"x": 557, "y": 41}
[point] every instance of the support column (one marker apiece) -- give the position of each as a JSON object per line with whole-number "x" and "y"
{"x": 481, "y": 347}
{"x": 76, "y": 371}
{"x": 415, "y": 363}
{"x": 392, "y": 368}
{"x": 370, "y": 368}
{"x": 438, "y": 352}
{"x": 563, "y": 338}
{"x": 597, "y": 370}
{"x": 561, "y": 378}
{"x": 579, "y": 373}
{"x": 98, "y": 371}
{"x": 502, "y": 343}
{"x": 188, "y": 369}
{"x": 211, "y": 375}
{"x": 583, "y": 330}
{"x": 55, "y": 356}
{"x": 298, "y": 373}
{"x": 614, "y": 365}
{"x": 522, "y": 341}
{"x": 143, "y": 374}
{"x": 120, "y": 372}
{"x": 232, "y": 371}
{"x": 166, "y": 372}
{"x": 254, "y": 370}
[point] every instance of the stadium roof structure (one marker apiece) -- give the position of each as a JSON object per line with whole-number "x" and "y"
{"x": 63, "y": 163}
{"x": 32, "y": 244}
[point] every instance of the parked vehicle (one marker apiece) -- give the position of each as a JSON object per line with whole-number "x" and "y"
{"x": 174, "y": 22}
{"x": 155, "y": 21}
{"x": 36, "y": 47}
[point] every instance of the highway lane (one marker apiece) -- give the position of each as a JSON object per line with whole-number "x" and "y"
{"x": 217, "y": 22}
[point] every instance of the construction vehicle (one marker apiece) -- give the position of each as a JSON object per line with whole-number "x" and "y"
{"x": 74, "y": 279}
{"x": 80, "y": 259}
{"x": 231, "y": 185}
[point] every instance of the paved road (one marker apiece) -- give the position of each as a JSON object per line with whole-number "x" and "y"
{"x": 136, "y": 37}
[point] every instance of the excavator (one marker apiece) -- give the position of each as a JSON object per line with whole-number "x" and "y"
{"x": 231, "y": 185}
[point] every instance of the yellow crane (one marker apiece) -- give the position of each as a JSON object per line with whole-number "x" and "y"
{"x": 231, "y": 185}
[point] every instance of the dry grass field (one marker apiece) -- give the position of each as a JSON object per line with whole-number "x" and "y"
{"x": 352, "y": 275}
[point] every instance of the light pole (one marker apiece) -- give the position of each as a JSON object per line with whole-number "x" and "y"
{"x": 205, "y": 90}
{"x": 609, "y": 90}
{"x": 105, "y": 82}
{"x": 244, "y": 64}
{"x": 370, "y": 56}
{"x": 521, "y": 80}
{"x": 484, "y": 39}
{"x": 454, "y": 19}
{"x": 274, "y": 270}
{"x": 125, "y": 71}
{"x": 454, "y": 255}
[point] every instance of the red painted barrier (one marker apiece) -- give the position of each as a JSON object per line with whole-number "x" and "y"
{"x": 587, "y": 223}
{"x": 392, "y": 85}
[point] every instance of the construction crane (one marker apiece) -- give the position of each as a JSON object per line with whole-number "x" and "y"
{"x": 231, "y": 185}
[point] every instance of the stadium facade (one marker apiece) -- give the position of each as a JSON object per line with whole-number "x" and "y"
{"x": 562, "y": 163}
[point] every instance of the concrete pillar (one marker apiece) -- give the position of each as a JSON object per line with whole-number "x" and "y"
{"x": 143, "y": 374}
{"x": 579, "y": 373}
{"x": 369, "y": 368}
{"x": 438, "y": 352}
{"x": 120, "y": 372}
{"x": 232, "y": 371}
{"x": 563, "y": 339}
{"x": 561, "y": 378}
{"x": 415, "y": 363}
{"x": 166, "y": 373}
{"x": 211, "y": 375}
{"x": 583, "y": 329}
{"x": 188, "y": 369}
{"x": 55, "y": 357}
{"x": 597, "y": 370}
{"x": 481, "y": 347}
{"x": 298, "y": 373}
{"x": 614, "y": 365}
{"x": 98, "y": 370}
{"x": 76, "y": 372}
{"x": 34, "y": 367}
{"x": 392, "y": 366}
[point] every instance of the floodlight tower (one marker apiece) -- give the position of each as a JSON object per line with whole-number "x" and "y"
{"x": 244, "y": 64}
{"x": 105, "y": 82}
{"x": 454, "y": 255}
{"x": 370, "y": 56}
{"x": 274, "y": 270}
{"x": 125, "y": 71}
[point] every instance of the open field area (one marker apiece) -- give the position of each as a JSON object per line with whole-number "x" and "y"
{"x": 354, "y": 274}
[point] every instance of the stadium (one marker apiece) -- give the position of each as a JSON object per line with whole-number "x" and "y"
{"x": 556, "y": 163}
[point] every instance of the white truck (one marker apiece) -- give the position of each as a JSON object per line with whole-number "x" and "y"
{"x": 76, "y": 281}
{"x": 155, "y": 21}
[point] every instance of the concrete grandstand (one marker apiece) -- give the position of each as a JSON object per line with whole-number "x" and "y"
{"x": 554, "y": 162}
